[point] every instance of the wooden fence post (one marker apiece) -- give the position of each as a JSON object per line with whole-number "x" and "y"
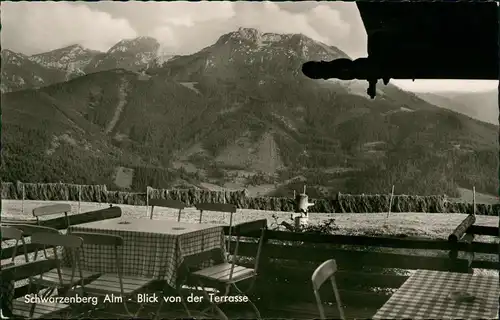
{"x": 390, "y": 203}
{"x": 474, "y": 200}
{"x": 22, "y": 201}
{"x": 79, "y": 197}
{"x": 147, "y": 200}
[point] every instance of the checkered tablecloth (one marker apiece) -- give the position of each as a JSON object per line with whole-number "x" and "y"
{"x": 152, "y": 248}
{"x": 425, "y": 295}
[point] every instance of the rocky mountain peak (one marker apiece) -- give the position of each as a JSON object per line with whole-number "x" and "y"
{"x": 11, "y": 57}
{"x": 68, "y": 54}
{"x": 6, "y": 53}
{"x": 139, "y": 43}
{"x": 298, "y": 45}
{"x": 248, "y": 34}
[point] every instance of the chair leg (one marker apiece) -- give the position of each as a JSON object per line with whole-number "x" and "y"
{"x": 185, "y": 305}
{"x": 221, "y": 313}
{"x": 256, "y": 310}
{"x": 48, "y": 292}
{"x": 158, "y": 311}
{"x": 141, "y": 306}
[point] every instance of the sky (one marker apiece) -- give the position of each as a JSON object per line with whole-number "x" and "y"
{"x": 186, "y": 27}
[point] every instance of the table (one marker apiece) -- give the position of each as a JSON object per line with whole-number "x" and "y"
{"x": 425, "y": 296}
{"x": 152, "y": 248}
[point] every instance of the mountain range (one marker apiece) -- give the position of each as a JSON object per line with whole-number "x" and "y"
{"x": 20, "y": 72}
{"x": 482, "y": 105}
{"x": 238, "y": 113}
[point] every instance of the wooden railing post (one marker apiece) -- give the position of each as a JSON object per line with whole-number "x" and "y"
{"x": 265, "y": 259}
{"x": 453, "y": 256}
{"x": 469, "y": 254}
{"x": 455, "y": 237}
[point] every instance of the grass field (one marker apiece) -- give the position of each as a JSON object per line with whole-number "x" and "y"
{"x": 431, "y": 225}
{"x": 466, "y": 195}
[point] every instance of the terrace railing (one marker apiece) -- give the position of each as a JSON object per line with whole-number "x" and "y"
{"x": 289, "y": 259}
{"x": 365, "y": 262}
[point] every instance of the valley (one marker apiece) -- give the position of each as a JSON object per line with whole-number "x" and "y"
{"x": 237, "y": 114}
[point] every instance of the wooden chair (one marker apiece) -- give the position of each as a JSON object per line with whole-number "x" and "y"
{"x": 30, "y": 229}
{"x": 219, "y": 207}
{"x": 167, "y": 203}
{"x": 118, "y": 284}
{"x": 11, "y": 233}
{"x": 52, "y": 277}
{"x": 53, "y": 209}
{"x": 324, "y": 272}
{"x": 224, "y": 276}
{"x": 60, "y": 278}
{"x": 37, "y": 308}
{"x": 21, "y": 309}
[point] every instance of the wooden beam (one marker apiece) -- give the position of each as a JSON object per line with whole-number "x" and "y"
{"x": 404, "y": 243}
{"x": 462, "y": 228}
{"x": 60, "y": 223}
{"x": 410, "y": 243}
{"x": 481, "y": 264}
{"x": 484, "y": 231}
{"x": 480, "y": 247}
{"x": 18, "y": 221}
{"x": 350, "y": 257}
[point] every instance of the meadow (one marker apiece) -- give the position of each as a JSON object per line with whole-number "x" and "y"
{"x": 430, "y": 225}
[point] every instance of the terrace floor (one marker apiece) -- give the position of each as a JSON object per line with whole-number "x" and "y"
{"x": 268, "y": 310}
{"x": 289, "y": 311}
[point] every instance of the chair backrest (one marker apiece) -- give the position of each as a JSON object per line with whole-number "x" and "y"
{"x": 30, "y": 229}
{"x": 11, "y": 233}
{"x": 244, "y": 228}
{"x": 53, "y": 209}
{"x": 324, "y": 272}
{"x": 195, "y": 259}
{"x": 54, "y": 240}
{"x": 219, "y": 207}
{"x": 73, "y": 243}
{"x": 167, "y": 203}
{"x": 103, "y": 239}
